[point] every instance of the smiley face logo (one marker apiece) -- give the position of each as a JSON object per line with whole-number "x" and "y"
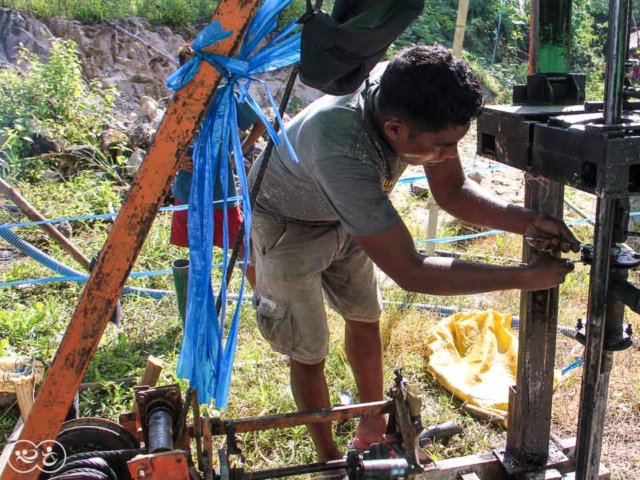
{"x": 54, "y": 456}
{"x": 48, "y": 456}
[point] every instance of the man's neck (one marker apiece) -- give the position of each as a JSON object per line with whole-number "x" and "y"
{"x": 378, "y": 117}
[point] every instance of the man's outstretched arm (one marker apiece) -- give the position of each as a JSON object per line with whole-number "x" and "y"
{"x": 468, "y": 201}
{"x": 393, "y": 251}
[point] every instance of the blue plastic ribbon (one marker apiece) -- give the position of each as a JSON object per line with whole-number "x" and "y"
{"x": 211, "y": 35}
{"x": 572, "y": 366}
{"x": 206, "y": 357}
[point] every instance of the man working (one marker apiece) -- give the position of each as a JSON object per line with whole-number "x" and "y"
{"x": 321, "y": 224}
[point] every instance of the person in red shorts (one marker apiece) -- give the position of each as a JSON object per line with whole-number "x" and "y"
{"x": 247, "y": 120}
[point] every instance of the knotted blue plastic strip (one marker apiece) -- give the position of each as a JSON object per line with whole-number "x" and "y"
{"x": 208, "y": 346}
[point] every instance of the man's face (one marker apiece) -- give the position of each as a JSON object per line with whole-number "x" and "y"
{"x": 424, "y": 149}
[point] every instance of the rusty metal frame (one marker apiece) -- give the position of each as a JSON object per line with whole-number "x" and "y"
{"x": 127, "y": 237}
{"x": 219, "y": 426}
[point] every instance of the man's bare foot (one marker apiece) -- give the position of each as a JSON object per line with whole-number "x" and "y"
{"x": 370, "y": 430}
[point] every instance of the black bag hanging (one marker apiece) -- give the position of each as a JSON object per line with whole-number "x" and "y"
{"x": 338, "y": 51}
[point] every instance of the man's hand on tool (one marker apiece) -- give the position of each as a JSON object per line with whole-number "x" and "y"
{"x": 551, "y": 233}
{"x": 546, "y": 271}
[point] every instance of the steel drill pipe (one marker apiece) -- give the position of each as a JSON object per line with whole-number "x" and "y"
{"x": 627, "y": 294}
{"x": 160, "y": 431}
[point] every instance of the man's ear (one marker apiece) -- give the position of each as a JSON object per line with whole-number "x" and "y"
{"x": 396, "y": 131}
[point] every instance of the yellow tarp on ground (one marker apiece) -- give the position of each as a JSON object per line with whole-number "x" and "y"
{"x": 474, "y": 356}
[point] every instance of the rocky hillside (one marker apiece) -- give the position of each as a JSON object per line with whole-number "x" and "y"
{"x": 137, "y": 67}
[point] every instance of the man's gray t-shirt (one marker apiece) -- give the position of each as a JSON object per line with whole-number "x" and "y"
{"x": 346, "y": 169}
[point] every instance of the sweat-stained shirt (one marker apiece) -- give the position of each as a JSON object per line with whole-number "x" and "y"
{"x": 346, "y": 169}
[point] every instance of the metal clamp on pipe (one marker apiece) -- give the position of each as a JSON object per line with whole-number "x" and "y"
{"x": 630, "y": 296}
{"x": 618, "y": 337}
{"x": 159, "y": 409}
{"x": 627, "y": 294}
{"x": 160, "y": 426}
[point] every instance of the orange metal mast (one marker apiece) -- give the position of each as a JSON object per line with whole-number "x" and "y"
{"x": 126, "y": 238}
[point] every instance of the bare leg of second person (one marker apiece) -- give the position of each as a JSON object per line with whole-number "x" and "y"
{"x": 363, "y": 345}
{"x": 251, "y": 270}
{"x": 251, "y": 276}
{"x": 309, "y": 387}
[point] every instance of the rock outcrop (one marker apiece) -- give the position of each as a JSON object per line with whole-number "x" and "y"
{"x": 115, "y": 58}
{"x": 107, "y": 54}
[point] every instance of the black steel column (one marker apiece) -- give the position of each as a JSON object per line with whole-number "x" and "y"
{"x": 531, "y": 400}
{"x": 603, "y": 307}
{"x": 605, "y": 318}
{"x": 530, "y": 407}
{"x": 617, "y": 44}
{"x": 595, "y": 381}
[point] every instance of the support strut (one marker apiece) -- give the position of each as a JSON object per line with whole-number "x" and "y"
{"x": 530, "y": 404}
{"x": 603, "y": 307}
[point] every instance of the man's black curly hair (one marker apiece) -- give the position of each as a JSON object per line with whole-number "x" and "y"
{"x": 430, "y": 89}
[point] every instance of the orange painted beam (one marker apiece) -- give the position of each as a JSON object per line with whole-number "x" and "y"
{"x": 126, "y": 238}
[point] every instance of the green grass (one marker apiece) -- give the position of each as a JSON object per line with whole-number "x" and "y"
{"x": 175, "y": 13}
{"x": 33, "y": 320}
{"x": 171, "y": 12}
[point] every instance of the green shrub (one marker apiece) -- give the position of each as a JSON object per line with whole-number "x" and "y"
{"x": 53, "y": 96}
{"x": 50, "y": 99}
{"x": 294, "y": 11}
{"x": 497, "y": 80}
{"x": 595, "y": 85}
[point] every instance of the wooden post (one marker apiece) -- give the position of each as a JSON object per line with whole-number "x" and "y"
{"x": 458, "y": 40}
{"x": 35, "y": 216}
{"x": 529, "y": 420}
{"x": 127, "y": 237}
{"x": 534, "y": 36}
{"x": 152, "y": 372}
{"x": 461, "y": 25}
{"x": 150, "y": 376}
{"x": 432, "y": 226}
